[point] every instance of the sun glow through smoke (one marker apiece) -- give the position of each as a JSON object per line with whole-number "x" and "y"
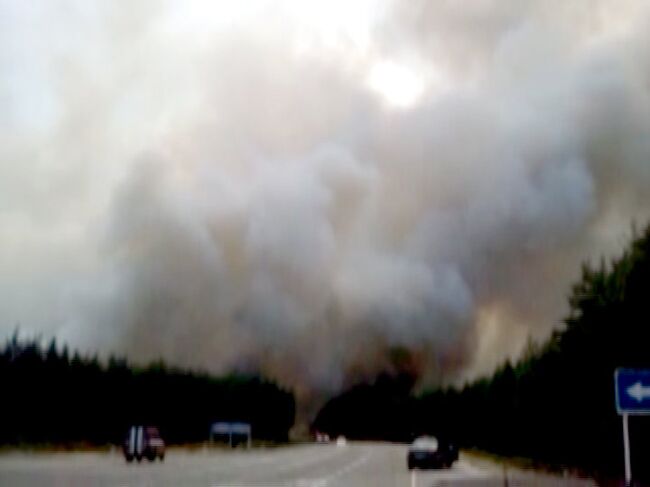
{"x": 398, "y": 85}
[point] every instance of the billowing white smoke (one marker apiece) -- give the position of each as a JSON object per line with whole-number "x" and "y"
{"x": 240, "y": 190}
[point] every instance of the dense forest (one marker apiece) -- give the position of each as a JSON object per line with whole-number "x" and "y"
{"x": 53, "y": 397}
{"x": 555, "y": 404}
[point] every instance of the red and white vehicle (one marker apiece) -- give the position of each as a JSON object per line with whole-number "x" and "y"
{"x": 144, "y": 442}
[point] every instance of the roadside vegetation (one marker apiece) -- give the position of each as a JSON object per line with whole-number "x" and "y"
{"x": 556, "y": 403}
{"x": 52, "y": 397}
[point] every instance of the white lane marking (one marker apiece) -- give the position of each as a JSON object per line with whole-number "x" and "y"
{"x": 309, "y": 459}
{"x": 277, "y": 462}
{"x": 315, "y": 482}
{"x": 310, "y": 483}
{"x": 322, "y": 482}
{"x": 460, "y": 471}
{"x": 266, "y": 484}
{"x": 297, "y": 483}
{"x": 305, "y": 458}
{"x": 350, "y": 466}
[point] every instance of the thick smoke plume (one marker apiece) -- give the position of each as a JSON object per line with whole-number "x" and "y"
{"x": 311, "y": 190}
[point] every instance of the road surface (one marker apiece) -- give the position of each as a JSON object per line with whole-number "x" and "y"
{"x": 309, "y": 465}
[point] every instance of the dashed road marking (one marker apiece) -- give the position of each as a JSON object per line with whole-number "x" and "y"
{"x": 305, "y": 482}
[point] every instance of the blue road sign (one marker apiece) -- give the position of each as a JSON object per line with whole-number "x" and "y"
{"x": 632, "y": 391}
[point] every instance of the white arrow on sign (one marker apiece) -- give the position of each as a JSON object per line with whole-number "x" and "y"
{"x": 638, "y": 392}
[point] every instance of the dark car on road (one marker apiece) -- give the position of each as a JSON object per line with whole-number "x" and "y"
{"x": 428, "y": 452}
{"x": 143, "y": 442}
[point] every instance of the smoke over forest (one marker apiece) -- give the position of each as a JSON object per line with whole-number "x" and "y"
{"x": 320, "y": 192}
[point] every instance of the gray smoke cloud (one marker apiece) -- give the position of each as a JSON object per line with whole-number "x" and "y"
{"x": 305, "y": 188}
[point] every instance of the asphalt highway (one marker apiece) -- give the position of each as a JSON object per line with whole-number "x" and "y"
{"x": 309, "y": 465}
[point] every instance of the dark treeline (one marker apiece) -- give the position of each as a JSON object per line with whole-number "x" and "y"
{"x": 49, "y": 396}
{"x": 556, "y": 404}
{"x": 383, "y": 410}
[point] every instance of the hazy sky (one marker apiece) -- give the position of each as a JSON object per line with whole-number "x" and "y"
{"x": 302, "y": 187}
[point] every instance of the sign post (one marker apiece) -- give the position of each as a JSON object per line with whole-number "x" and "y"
{"x": 632, "y": 398}
{"x": 626, "y": 447}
